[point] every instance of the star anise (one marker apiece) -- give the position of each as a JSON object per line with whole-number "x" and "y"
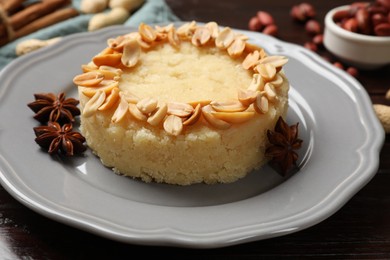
{"x": 55, "y": 138}
{"x": 49, "y": 107}
{"x": 284, "y": 143}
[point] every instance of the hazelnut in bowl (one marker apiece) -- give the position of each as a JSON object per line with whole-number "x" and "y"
{"x": 353, "y": 35}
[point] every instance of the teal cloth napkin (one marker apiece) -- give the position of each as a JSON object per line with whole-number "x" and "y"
{"x": 152, "y": 11}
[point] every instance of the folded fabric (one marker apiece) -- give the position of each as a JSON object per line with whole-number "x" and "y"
{"x": 152, "y": 11}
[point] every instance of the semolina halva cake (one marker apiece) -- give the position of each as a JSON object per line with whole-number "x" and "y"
{"x": 182, "y": 105}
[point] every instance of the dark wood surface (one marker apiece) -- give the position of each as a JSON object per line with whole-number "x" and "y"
{"x": 359, "y": 230}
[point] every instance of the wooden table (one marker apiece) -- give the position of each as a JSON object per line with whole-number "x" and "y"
{"x": 361, "y": 229}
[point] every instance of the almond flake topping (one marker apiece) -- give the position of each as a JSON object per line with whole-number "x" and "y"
{"x": 101, "y": 77}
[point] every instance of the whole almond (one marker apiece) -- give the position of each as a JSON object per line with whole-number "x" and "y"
{"x": 271, "y": 29}
{"x": 313, "y": 27}
{"x": 341, "y": 15}
{"x": 350, "y": 25}
{"x": 255, "y": 24}
{"x": 302, "y": 12}
{"x": 319, "y": 40}
{"x": 363, "y": 20}
{"x": 382, "y": 29}
{"x": 384, "y": 3}
{"x": 265, "y": 18}
{"x": 311, "y": 46}
{"x": 378, "y": 19}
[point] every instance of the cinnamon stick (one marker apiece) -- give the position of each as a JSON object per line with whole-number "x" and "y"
{"x": 32, "y": 13}
{"x": 10, "y": 6}
{"x": 50, "y": 19}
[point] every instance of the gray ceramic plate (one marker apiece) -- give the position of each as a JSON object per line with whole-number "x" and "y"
{"x": 342, "y": 139}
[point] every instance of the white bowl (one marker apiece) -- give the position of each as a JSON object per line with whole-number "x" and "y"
{"x": 362, "y": 51}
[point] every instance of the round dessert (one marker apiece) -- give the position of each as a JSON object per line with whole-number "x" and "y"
{"x": 182, "y": 105}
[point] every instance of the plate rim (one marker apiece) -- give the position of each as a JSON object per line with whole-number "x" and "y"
{"x": 172, "y": 237}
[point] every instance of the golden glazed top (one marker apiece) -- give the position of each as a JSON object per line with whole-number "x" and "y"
{"x": 175, "y": 78}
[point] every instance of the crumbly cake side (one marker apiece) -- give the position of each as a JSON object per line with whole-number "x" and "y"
{"x": 186, "y": 113}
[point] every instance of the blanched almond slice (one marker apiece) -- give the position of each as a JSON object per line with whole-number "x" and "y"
{"x": 257, "y": 83}
{"x": 105, "y": 85}
{"x": 173, "y": 125}
{"x": 89, "y": 79}
{"x": 270, "y": 91}
{"x": 158, "y": 116}
{"x": 236, "y": 48}
{"x": 89, "y": 67}
{"x": 251, "y": 60}
{"x": 111, "y": 100}
{"x": 113, "y": 59}
{"x": 235, "y": 117}
{"x": 164, "y": 29}
{"x": 276, "y": 61}
{"x": 201, "y": 102}
{"x": 147, "y": 33}
{"x": 94, "y": 103}
{"x": 180, "y": 109}
{"x": 194, "y": 117}
{"x": 201, "y": 36}
{"x": 247, "y": 97}
{"x": 136, "y": 113}
{"x": 186, "y": 30}
{"x": 267, "y": 71}
{"x": 212, "y": 120}
{"x": 261, "y": 104}
{"x": 121, "y": 110}
{"x": 225, "y": 38}
{"x": 147, "y": 105}
{"x": 228, "y": 106}
{"x": 173, "y": 38}
{"x": 131, "y": 53}
{"x": 278, "y": 80}
{"x": 214, "y": 29}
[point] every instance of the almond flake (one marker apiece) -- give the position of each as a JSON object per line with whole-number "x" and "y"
{"x": 257, "y": 83}
{"x": 267, "y": 71}
{"x": 276, "y": 61}
{"x": 158, "y": 116}
{"x": 194, "y": 117}
{"x": 228, "y": 106}
{"x": 235, "y": 117}
{"x": 147, "y": 33}
{"x": 173, "y": 38}
{"x": 173, "y": 125}
{"x": 236, "y": 48}
{"x": 121, "y": 110}
{"x": 89, "y": 79}
{"x": 247, "y": 97}
{"x": 278, "y": 81}
{"x": 131, "y": 53}
{"x": 201, "y": 36}
{"x": 270, "y": 91}
{"x": 147, "y": 105}
{"x": 251, "y": 60}
{"x": 94, "y": 103}
{"x": 214, "y": 29}
{"x": 113, "y": 59}
{"x": 212, "y": 120}
{"x": 136, "y": 113}
{"x": 111, "y": 100}
{"x": 105, "y": 85}
{"x": 180, "y": 109}
{"x": 225, "y": 38}
{"x": 261, "y": 104}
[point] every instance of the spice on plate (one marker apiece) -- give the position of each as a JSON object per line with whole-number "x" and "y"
{"x": 284, "y": 143}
